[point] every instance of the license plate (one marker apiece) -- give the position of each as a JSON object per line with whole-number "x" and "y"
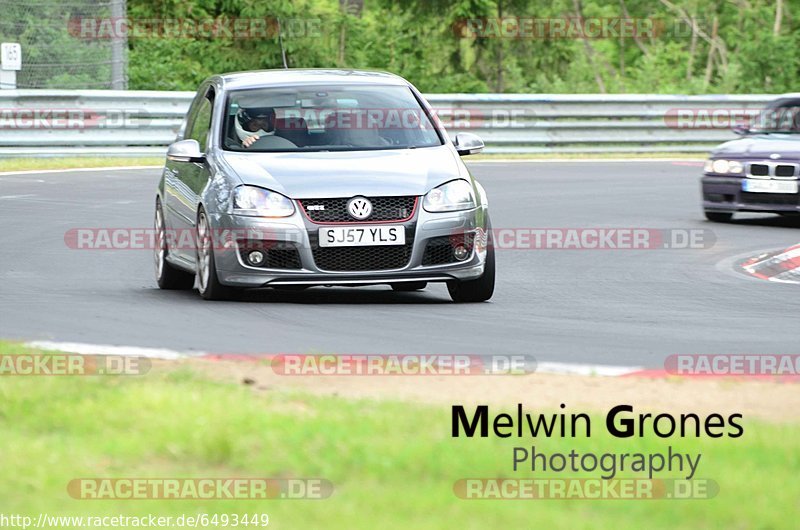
{"x": 362, "y": 236}
{"x": 769, "y": 186}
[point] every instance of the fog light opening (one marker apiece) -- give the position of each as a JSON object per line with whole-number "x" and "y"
{"x": 460, "y": 252}
{"x": 256, "y": 258}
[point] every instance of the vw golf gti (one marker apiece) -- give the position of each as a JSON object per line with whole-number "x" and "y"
{"x": 299, "y": 178}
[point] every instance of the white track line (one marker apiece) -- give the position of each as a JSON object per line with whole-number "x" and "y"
{"x": 163, "y": 353}
{"x": 103, "y": 349}
{"x": 586, "y": 369}
{"x": 7, "y": 197}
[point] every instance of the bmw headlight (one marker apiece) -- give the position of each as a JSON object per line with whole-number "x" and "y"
{"x": 450, "y": 197}
{"x": 259, "y": 202}
{"x": 723, "y": 166}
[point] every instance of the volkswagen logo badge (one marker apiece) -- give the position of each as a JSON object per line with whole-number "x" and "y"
{"x": 359, "y": 208}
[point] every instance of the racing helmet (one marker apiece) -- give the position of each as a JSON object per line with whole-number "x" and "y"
{"x": 251, "y": 121}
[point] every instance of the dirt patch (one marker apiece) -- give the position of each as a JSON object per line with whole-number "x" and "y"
{"x": 771, "y": 401}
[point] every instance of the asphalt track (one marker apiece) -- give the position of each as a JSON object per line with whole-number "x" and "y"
{"x": 619, "y": 307}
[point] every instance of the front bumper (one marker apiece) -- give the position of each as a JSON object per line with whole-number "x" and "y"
{"x": 300, "y": 233}
{"x": 724, "y": 194}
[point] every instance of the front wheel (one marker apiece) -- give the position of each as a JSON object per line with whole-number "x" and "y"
{"x": 480, "y": 289}
{"x": 207, "y": 282}
{"x": 718, "y": 217}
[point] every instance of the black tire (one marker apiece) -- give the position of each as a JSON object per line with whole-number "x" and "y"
{"x": 405, "y": 287}
{"x": 480, "y": 289}
{"x": 167, "y": 276}
{"x": 719, "y": 217}
{"x": 207, "y": 281}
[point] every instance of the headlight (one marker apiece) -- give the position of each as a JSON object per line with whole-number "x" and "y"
{"x": 450, "y": 197}
{"x": 734, "y": 166}
{"x": 258, "y": 202}
{"x": 723, "y": 166}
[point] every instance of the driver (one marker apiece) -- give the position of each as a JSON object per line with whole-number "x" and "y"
{"x": 254, "y": 123}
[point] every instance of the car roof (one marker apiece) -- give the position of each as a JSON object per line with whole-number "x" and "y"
{"x": 268, "y": 78}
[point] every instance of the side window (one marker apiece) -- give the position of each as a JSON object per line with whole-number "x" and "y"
{"x": 200, "y": 125}
{"x": 190, "y": 114}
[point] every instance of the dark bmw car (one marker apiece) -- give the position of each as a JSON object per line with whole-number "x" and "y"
{"x": 758, "y": 172}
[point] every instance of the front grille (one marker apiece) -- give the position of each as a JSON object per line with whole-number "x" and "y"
{"x": 383, "y": 209}
{"x": 439, "y": 250}
{"x": 278, "y": 254}
{"x": 776, "y": 170}
{"x": 778, "y": 199}
{"x": 342, "y": 259}
{"x": 360, "y": 259}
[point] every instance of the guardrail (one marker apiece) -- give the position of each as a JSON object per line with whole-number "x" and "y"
{"x": 130, "y": 123}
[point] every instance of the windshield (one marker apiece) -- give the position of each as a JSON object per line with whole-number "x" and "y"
{"x": 780, "y": 118}
{"x": 340, "y": 118}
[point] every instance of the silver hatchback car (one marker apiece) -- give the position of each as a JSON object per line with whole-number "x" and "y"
{"x": 297, "y": 178}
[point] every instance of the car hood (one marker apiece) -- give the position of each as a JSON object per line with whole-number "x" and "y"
{"x": 345, "y": 174}
{"x": 762, "y": 146}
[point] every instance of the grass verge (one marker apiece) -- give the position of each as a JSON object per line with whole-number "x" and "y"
{"x": 583, "y": 156}
{"x": 30, "y": 164}
{"x": 393, "y": 464}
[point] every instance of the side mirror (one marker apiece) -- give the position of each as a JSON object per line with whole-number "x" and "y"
{"x": 741, "y": 130}
{"x": 468, "y": 144}
{"x": 185, "y": 151}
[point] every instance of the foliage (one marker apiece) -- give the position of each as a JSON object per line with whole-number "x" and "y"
{"x": 735, "y": 46}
